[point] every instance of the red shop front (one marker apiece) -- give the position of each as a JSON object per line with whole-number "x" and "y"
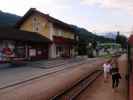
{"x": 64, "y": 46}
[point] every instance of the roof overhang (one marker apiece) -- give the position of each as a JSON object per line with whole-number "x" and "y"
{"x": 8, "y": 33}
{"x": 62, "y": 40}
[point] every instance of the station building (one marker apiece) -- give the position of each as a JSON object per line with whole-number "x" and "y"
{"x": 62, "y": 35}
{"x": 22, "y": 45}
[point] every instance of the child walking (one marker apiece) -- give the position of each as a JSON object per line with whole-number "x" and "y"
{"x": 106, "y": 69}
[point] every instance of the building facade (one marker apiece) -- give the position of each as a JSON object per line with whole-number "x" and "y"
{"x": 16, "y": 44}
{"x": 62, "y": 35}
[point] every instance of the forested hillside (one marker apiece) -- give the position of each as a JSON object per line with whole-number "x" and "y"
{"x": 85, "y": 35}
{"x": 7, "y": 19}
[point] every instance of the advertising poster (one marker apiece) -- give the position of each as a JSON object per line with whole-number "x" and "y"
{"x": 32, "y": 52}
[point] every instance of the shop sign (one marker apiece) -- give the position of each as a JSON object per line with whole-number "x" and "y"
{"x": 32, "y": 52}
{"x": 39, "y": 52}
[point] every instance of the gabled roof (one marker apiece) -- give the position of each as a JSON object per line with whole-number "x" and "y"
{"x": 49, "y": 18}
{"x": 9, "y": 33}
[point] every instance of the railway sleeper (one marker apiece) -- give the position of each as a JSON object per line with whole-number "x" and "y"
{"x": 73, "y": 92}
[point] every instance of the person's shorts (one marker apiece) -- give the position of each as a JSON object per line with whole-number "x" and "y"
{"x": 105, "y": 74}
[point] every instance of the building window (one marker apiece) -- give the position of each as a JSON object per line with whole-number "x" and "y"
{"x": 20, "y": 50}
{"x": 39, "y": 51}
{"x": 34, "y": 19}
{"x": 36, "y": 25}
{"x": 60, "y": 32}
{"x": 58, "y": 50}
{"x": 32, "y": 52}
{"x": 36, "y": 29}
{"x": 77, "y": 38}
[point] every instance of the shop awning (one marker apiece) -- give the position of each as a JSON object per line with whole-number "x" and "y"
{"x": 9, "y": 33}
{"x": 62, "y": 40}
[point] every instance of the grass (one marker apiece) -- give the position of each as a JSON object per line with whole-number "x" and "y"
{"x": 106, "y": 56}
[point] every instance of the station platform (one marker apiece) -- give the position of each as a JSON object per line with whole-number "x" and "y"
{"x": 51, "y": 85}
{"x": 100, "y": 90}
{"x": 131, "y": 87}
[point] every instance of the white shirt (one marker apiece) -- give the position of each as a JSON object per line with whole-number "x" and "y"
{"x": 106, "y": 67}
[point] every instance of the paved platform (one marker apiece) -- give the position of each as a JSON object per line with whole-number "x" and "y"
{"x": 45, "y": 88}
{"x": 103, "y": 91}
{"x": 10, "y": 76}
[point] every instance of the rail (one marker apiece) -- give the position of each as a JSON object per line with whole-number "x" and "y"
{"x": 73, "y": 92}
{"x": 42, "y": 75}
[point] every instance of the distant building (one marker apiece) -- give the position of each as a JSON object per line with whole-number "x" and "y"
{"x": 111, "y": 35}
{"x": 61, "y": 35}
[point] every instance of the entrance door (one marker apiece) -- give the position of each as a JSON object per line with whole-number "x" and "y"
{"x": 41, "y": 51}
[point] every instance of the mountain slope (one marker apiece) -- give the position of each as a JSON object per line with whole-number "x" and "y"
{"x": 89, "y": 36}
{"x": 7, "y": 19}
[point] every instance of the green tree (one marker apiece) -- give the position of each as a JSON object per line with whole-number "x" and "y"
{"x": 122, "y": 40}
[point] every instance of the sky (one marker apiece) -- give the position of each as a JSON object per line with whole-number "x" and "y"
{"x": 98, "y": 16}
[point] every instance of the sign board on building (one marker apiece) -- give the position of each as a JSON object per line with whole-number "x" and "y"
{"x": 32, "y": 52}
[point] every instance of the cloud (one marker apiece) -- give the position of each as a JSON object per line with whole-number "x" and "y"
{"x": 124, "y": 5}
{"x": 102, "y": 28}
{"x": 74, "y": 12}
{"x": 21, "y": 6}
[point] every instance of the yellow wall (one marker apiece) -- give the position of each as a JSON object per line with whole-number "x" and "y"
{"x": 43, "y": 25}
{"x": 63, "y": 33}
{"x": 68, "y": 35}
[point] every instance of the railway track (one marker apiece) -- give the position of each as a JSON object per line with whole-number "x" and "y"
{"x": 42, "y": 75}
{"x": 60, "y": 63}
{"x": 73, "y": 92}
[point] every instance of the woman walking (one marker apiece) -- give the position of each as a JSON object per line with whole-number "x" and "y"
{"x": 115, "y": 74}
